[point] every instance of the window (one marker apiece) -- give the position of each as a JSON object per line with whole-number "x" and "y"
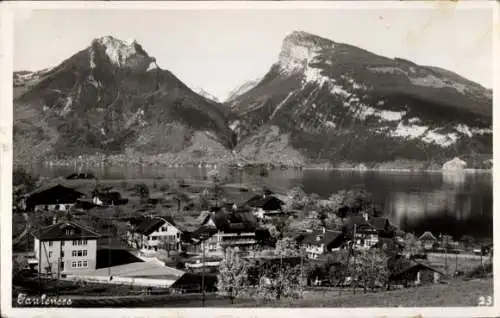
{"x": 79, "y": 264}
{"x": 62, "y": 243}
{"x": 50, "y": 254}
{"x": 79, "y": 242}
{"x": 153, "y": 238}
{"x": 62, "y": 253}
{"x": 79, "y": 253}
{"x": 50, "y": 243}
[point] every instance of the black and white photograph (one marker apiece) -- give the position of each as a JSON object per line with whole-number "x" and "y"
{"x": 239, "y": 155}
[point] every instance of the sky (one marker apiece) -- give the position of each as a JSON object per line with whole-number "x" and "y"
{"x": 218, "y": 50}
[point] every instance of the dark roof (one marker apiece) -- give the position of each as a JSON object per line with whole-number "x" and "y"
{"x": 408, "y": 265}
{"x": 361, "y": 224}
{"x": 53, "y": 194}
{"x": 318, "y": 237}
{"x": 267, "y": 202}
{"x": 149, "y": 225}
{"x": 233, "y": 221}
{"x": 427, "y": 236}
{"x": 380, "y": 223}
{"x": 59, "y": 232}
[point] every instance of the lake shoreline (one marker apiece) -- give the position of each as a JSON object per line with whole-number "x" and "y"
{"x": 87, "y": 165}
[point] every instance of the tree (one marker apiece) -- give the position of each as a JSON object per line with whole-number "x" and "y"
{"x": 353, "y": 201}
{"x": 412, "y": 245}
{"x": 216, "y": 189}
{"x": 142, "y": 191}
{"x": 287, "y": 247}
{"x": 180, "y": 197}
{"x": 21, "y": 178}
{"x": 369, "y": 269}
{"x": 18, "y": 264}
{"x": 280, "y": 281}
{"x": 467, "y": 241}
{"x": 232, "y": 276}
{"x": 22, "y": 183}
{"x": 298, "y": 199}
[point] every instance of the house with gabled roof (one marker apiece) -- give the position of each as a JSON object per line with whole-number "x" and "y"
{"x": 222, "y": 229}
{"x": 383, "y": 226}
{"x": 155, "y": 233}
{"x": 65, "y": 247}
{"x": 359, "y": 231}
{"x": 428, "y": 240}
{"x": 320, "y": 242}
{"x": 107, "y": 197}
{"x": 412, "y": 272}
{"x": 51, "y": 197}
{"x": 265, "y": 205}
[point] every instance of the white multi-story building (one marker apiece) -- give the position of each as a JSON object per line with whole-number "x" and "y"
{"x": 65, "y": 247}
{"x": 155, "y": 233}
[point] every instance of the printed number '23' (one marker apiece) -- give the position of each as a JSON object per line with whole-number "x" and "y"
{"x": 485, "y": 301}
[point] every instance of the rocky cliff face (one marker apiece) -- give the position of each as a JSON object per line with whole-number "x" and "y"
{"x": 337, "y": 102}
{"x": 111, "y": 98}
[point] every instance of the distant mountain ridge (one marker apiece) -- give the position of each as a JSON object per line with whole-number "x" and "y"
{"x": 336, "y": 102}
{"x": 322, "y": 101}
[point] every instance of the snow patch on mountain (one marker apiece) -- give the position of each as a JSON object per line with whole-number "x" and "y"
{"x": 281, "y": 104}
{"x": 124, "y": 54}
{"x": 67, "y": 106}
{"x": 408, "y": 131}
{"x": 469, "y": 132}
{"x": 206, "y": 94}
{"x": 425, "y": 134}
{"x": 444, "y": 140}
{"x": 233, "y": 125}
{"x": 117, "y": 51}
{"x": 152, "y": 66}
{"x": 242, "y": 89}
{"x": 298, "y": 50}
{"x": 340, "y": 90}
{"x": 363, "y": 111}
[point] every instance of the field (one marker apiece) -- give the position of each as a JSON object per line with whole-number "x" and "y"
{"x": 457, "y": 293}
{"x": 456, "y": 262}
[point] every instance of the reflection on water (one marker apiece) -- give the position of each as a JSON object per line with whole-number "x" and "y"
{"x": 451, "y": 203}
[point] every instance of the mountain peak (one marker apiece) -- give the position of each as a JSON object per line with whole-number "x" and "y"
{"x": 124, "y": 54}
{"x": 299, "y": 48}
{"x": 302, "y": 37}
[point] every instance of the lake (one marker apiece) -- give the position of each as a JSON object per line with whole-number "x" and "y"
{"x": 450, "y": 203}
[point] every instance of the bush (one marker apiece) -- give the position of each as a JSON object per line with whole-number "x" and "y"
{"x": 481, "y": 271}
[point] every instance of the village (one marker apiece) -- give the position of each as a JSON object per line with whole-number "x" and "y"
{"x": 108, "y": 243}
